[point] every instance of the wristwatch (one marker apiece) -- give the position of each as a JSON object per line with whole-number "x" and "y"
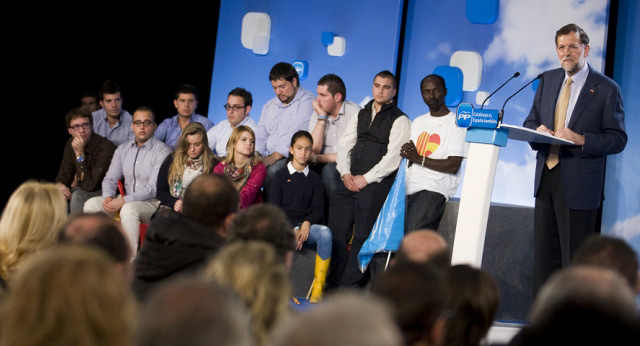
{"x": 80, "y": 158}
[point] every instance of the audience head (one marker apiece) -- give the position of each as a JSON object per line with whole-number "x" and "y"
{"x": 473, "y": 301}
{"x": 265, "y": 222}
{"x": 68, "y": 295}
{"x": 418, "y": 294}
{"x": 89, "y": 101}
{"x": 193, "y": 143}
{"x": 253, "y": 270}
{"x": 78, "y": 113}
{"x": 285, "y": 82}
{"x": 425, "y": 246}
{"x": 186, "y": 100}
{"x": 384, "y": 88}
{"x": 144, "y": 124}
{"x": 611, "y": 253}
{"x": 190, "y": 312}
{"x": 211, "y": 200}
{"x": 331, "y": 93}
{"x": 239, "y": 102}
{"x": 110, "y": 98}
{"x": 300, "y": 149}
{"x": 582, "y": 305}
{"x": 347, "y": 319}
{"x": 242, "y": 141}
{"x": 34, "y": 214}
{"x": 80, "y": 122}
{"x": 100, "y": 231}
{"x": 434, "y": 91}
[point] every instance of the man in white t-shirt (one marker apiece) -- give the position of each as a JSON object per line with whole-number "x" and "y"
{"x": 435, "y": 153}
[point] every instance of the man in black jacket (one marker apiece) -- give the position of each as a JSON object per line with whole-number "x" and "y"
{"x": 368, "y": 158}
{"x": 179, "y": 243}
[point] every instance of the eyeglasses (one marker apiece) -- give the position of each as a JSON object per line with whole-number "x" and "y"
{"x": 85, "y": 126}
{"x": 139, "y": 123}
{"x": 234, "y": 107}
{"x": 572, "y": 48}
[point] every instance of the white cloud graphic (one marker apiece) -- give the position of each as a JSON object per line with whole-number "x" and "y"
{"x": 443, "y": 48}
{"x": 527, "y": 29}
{"x": 513, "y": 183}
{"x": 364, "y": 101}
{"x": 626, "y": 229}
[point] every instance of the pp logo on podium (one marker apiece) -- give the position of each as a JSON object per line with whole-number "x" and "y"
{"x": 464, "y": 114}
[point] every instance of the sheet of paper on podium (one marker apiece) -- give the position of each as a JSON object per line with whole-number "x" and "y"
{"x": 520, "y": 133}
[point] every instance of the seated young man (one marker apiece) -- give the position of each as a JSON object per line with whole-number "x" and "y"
{"x": 85, "y": 160}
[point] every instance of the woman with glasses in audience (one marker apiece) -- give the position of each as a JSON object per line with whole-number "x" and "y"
{"x": 243, "y": 166}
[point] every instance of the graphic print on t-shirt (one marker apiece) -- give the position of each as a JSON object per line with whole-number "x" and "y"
{"x": 427, "y": 143}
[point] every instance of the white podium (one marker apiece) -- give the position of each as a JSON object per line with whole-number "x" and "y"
{"x": 479, "y": 176}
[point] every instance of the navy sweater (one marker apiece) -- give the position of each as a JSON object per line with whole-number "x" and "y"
{"x": 300, "y": 197}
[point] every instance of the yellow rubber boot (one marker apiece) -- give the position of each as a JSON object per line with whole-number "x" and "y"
{"x": 322, "y": 267}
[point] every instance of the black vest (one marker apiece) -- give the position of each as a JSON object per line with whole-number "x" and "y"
{"x": 373, "y": 138}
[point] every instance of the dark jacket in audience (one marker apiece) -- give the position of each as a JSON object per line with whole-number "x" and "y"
{"x": 174, "y": 244}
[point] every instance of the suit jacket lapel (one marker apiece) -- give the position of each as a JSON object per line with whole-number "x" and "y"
{"x": 589, "y": 90}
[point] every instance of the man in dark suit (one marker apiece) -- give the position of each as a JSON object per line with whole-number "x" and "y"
{"x": 581, "y": 105}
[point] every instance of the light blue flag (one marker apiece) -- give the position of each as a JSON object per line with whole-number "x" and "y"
{"x": 388, "y": 230}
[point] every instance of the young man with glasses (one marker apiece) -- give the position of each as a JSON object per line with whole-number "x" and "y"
{"x": 137, "y": 162}
{"x": 238, "y": 106}
{"x": 186, "y": 103}
{"x": 85, "y": 160}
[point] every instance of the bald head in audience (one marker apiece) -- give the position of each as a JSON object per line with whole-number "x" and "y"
{"x": 103, "y": 232}
{"x": 582, "y": 305}
{"x": 190, "y": 312}
{"x": 211, "y": 200}
{"x": 425, "y": 246}
{"x": 611, "y": 253}
{"x": 348, "y": 319}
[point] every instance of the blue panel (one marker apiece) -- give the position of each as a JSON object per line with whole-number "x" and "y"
{"x": 327, "y": 38}
{"x": 483, "y": 11}
{"x": 621, "y": 208}
{"x": 488, "y": 136}
{"x": 296, "y": 26}
{"x": 453, "y": 78}
{"x": 487, "y": 118}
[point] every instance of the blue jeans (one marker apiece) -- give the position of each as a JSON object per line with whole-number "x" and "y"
{"x": 321, "y": 236}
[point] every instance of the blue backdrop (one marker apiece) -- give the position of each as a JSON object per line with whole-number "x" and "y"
{"x": 371, "y": 29}
{"x": 519, "y": 37}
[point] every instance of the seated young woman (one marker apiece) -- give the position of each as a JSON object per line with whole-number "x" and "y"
{"x": 299, "y": 192}
{"x": 191, "y": 158}
{"x": 243, "y": 166}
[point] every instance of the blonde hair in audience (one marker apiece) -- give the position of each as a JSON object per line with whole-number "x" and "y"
{"x": 30, "y": 221}
{"x": 68, "y": 295}
{"x": 180, "y": 156}
{"x": 231, "y": 145}
{"x": 254, "y": 272}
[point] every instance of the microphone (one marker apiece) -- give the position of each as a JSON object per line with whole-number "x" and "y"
{"x": 501, "y": 113}
{"x": 503, "y": 84}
